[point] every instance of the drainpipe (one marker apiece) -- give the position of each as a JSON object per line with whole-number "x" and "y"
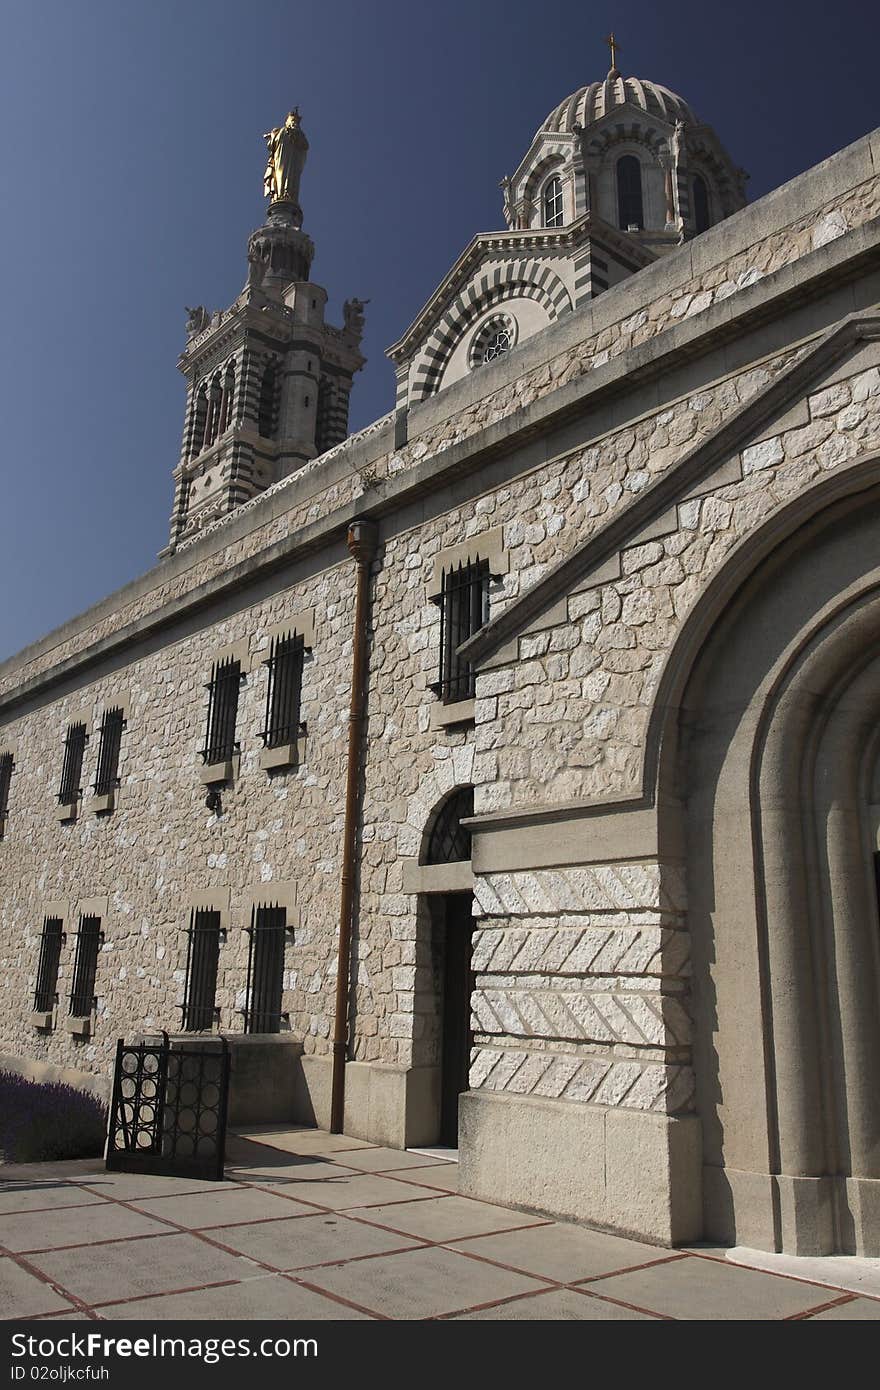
{"x": 362, "y": 535}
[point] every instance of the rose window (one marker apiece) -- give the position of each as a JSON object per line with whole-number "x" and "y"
{"x": 492, "y": 340}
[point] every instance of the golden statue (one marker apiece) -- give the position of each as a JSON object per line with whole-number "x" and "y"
{"x": 287, "y": 146}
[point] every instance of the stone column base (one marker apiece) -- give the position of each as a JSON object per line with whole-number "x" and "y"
{"x": 797, "y": 1215}
{"x": 396, "y": 1106}
{"x": 634, "y": 1172}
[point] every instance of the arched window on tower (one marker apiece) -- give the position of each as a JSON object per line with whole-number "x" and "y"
{"x": 630, "y": 208}
{"x": 214, "y": 396}
{"x": 199, "y": 422}
{"x": 702, "y": 218}
{"x": 227, "y": 397}
{"x": 553, "y": 212}
{"x": 266, "y": 420}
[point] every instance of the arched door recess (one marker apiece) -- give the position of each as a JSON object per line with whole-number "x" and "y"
{"x": 776, "y": 747}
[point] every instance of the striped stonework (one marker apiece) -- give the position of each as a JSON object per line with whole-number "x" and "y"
{"x": 523, "y": 279}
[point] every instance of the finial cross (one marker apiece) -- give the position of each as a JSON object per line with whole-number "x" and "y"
{"x": 614, "y": 46}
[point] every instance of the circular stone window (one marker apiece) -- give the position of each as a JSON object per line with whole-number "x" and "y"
{"x": 492, "y": 340}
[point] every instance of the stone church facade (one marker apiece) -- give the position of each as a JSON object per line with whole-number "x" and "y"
{"x": 507, "y": 773}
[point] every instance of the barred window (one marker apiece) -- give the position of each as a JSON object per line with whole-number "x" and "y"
{"x": 265, "y": 974}
{"x": 71, "y": 772}
{"x": 85, "y": 966}
{"x": 202, "y": 958}
{"x": 450, "y": 841}
{"x": 284, "y": 692}
{"x": 51, "y": 941}
{"x": 223, "y": 690}
{"x": 6, "y": 767}
{"x": 553, "y": 210}
{"x": 464, "y": 608}
{"x": 112, "y": 725}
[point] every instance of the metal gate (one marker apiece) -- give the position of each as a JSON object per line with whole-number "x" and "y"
{"x": 168, "y": 1113}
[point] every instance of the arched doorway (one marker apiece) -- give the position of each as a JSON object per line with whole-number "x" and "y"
{"x": 450, "y": 914}
{"x": 776, "y": 767}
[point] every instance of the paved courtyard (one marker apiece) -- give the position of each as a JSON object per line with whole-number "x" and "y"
{"x": 311, "y": 1225}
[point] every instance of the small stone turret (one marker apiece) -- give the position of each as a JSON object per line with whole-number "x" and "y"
{"x": 268, "y": 380}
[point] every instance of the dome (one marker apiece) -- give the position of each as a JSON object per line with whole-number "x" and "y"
{"x": 589, "y": 104}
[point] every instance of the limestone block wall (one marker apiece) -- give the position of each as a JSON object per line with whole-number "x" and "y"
{"x": 568, "y": 718}
{"x": 161, "y": 847}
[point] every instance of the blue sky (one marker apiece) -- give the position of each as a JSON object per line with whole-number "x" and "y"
{"x": 131, "y": 158}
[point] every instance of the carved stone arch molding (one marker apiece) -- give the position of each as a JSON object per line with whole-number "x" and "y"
{"x": 775, "y": 768}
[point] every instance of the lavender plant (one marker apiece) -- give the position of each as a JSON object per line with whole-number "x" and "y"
{"x": 42, "y": 1121}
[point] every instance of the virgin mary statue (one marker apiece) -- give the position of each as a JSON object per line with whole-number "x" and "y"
{"x": 287, "y": 147}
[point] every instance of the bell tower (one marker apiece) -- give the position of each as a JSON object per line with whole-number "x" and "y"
{"x": 268, "y": 380}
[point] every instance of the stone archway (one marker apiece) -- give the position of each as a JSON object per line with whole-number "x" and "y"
{"x": 775, "y": 765}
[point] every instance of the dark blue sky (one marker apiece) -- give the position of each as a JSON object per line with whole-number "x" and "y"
{"x": 132, "y": 165}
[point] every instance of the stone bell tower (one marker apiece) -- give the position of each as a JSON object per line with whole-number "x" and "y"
{"x": 268, "y": 380}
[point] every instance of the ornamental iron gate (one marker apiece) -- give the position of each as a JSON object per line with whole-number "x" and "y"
{"x": 168, "y": 1113}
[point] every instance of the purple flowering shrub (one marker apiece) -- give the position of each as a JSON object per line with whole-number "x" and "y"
{"x": 41, "y": 1121}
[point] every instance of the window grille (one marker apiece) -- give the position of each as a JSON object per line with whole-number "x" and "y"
{"x": 85, "y": 966}
{"x": 630, "y": 210}
{"x": 265, "y": 974}
{"x": 284, "y": 692}
{"x": 71, "y": 772}
{"x": 47, "y": 969}
{"x": 6, "y": 766}
{"x": 202, "y": 958}
{"x": 112, "y": 724}
{"x": 464, "y": 608}
{"x": 450, "y": 841}
{"x": 223, "y": 690}
{"x": 553, "y": 210}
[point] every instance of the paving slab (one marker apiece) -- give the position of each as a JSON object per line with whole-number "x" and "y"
{"x": 290, "y": 1168}
{"x": 693, "y": 1288}
{"x": 421, "y": 1283}
{"x": 302, "y": 1141}
{"x": 444, "y": 1177}
{"x": 557, "y": 1305}
{"x": 270, "y": 1297}
{"x": 448, "y": 1218}
{"x": 311, "y": 1240}
{"x": 73, "y": 1226}
{"x": 200, "y": 1210}
{"x": 564, "y": 1253}
{"x": 857, "y": 1310}
{"x": 16, "y": 1197}
{"x": 343, "y": 1191}
{"x": 388, "y": 1160}
{"x": 23, "y": 1295}
{"x": 127, "y": 1268}
{"x": 125, "y": 1187}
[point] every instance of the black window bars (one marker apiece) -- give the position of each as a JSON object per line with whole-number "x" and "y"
{"x": 6, "y": 766}
{"x": 52, "y": 940}
{"x": 220, "y": 744}
{"x": 112, "y": 725}
{"x": 88, "y": 943}
{"x": 202, "y": 958}
{"x": 265, "y": 972}
{"x": 71, "y": 771}
{"x": 464, "y": 608}
{"x": 284, "y": 692}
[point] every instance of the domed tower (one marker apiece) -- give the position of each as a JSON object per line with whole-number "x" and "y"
{"x": 621, "y": 172}
{"x": 632, "y": 153}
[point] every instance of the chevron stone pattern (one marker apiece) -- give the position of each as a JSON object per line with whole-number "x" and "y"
{"x": 560, "y": 995}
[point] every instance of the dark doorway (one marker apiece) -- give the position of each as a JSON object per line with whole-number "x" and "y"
{"x": 456, "y": 1036}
